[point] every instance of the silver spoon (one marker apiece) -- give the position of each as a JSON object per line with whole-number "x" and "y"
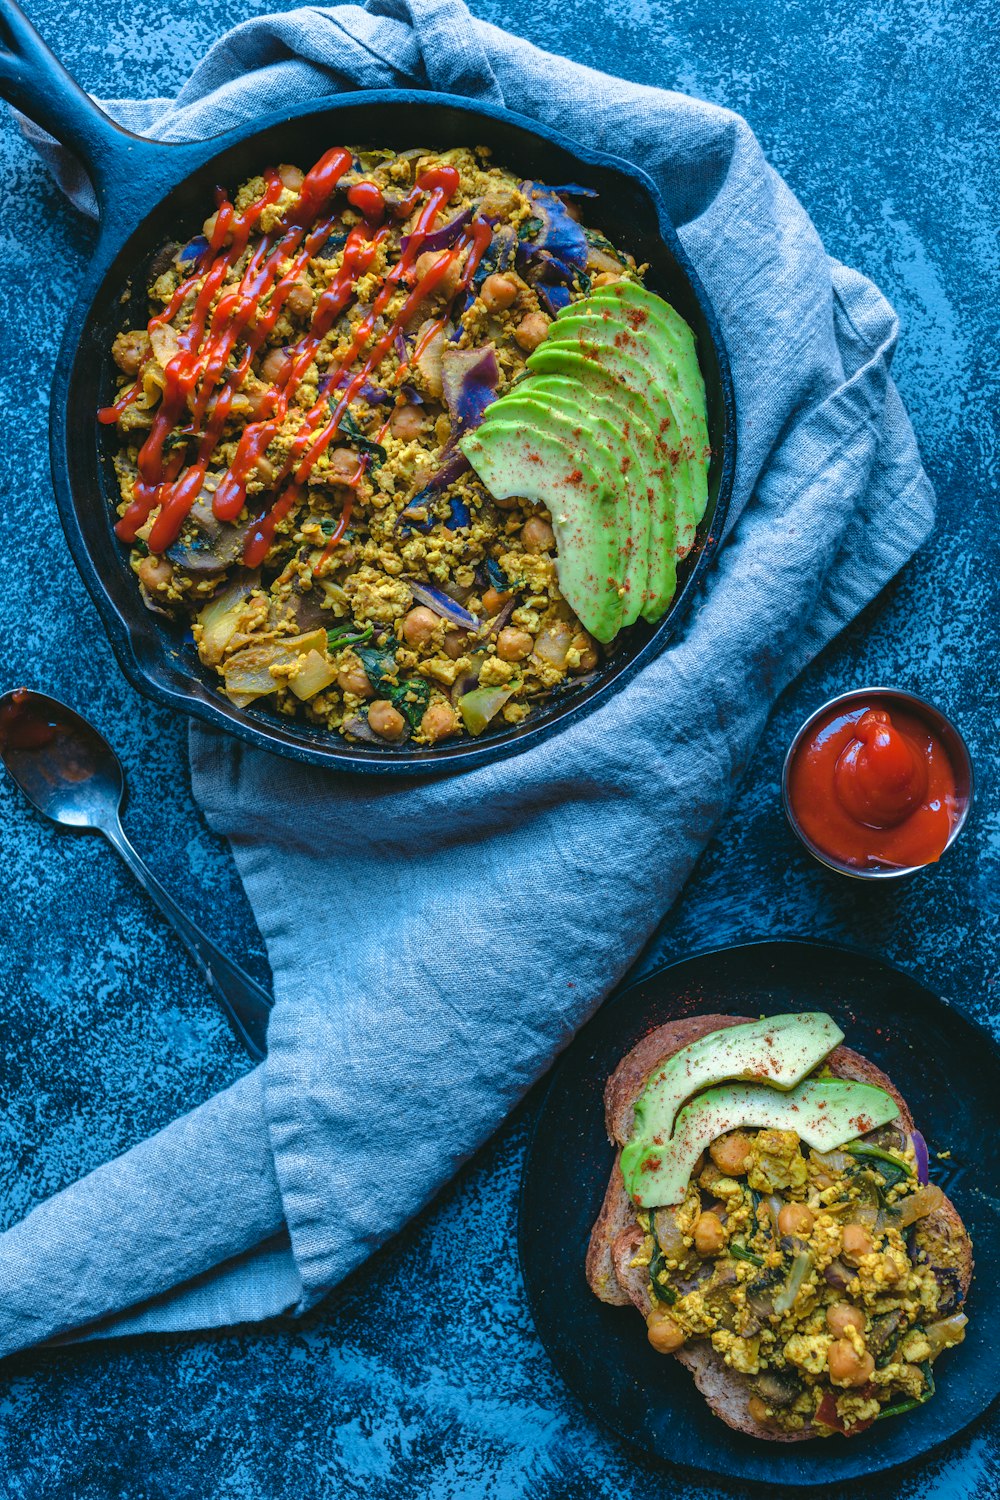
{"x": 71, "y": 775}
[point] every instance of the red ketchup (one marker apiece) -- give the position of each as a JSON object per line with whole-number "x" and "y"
{"x": 871, "y": 786}
{"x": 23, "y": 726}
{"x": 229, "y": 326}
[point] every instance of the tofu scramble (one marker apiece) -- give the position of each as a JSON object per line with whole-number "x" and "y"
{"x": 288, "y": 464}
{"x": 825, "y": 1278}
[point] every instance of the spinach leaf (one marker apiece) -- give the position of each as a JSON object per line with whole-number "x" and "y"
{"x": 496, "y": 575}
{"x": 379, "y": 663}
{"x": 410, "y": 698}
{"x": 350, "y": 429}
{"x": 658, "y": 1273}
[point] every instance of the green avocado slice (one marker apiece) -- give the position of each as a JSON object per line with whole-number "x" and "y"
{"x": 638, "y": 422}
{"x": 582, "y": 502}
{"x": 823, "y": 1112}
{"x": 645, "y": 365}
{"x": 652, "y": 319}
{"x": 593, "y": 424}
{"x": 677, "y": 494}
{"x": 778, "y": 1051}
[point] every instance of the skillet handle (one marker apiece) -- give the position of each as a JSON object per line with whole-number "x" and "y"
{"x": 34, "y": 81}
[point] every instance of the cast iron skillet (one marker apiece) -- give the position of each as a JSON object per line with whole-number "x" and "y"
{"x": 149, "y": 192}
{"x": 947, "y": 1070}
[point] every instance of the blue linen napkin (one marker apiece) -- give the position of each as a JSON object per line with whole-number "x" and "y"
{"x": 434, "y": 945}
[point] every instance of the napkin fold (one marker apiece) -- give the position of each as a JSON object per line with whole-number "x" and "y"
{"x": 435, "y": 944}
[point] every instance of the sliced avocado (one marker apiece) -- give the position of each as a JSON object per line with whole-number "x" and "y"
{"x": 639, "y": 423}
{"x": 823, "y": 1112}
{"x": 581, "y": 501}
{"x": 678, "y": 494}
{"x": 592, "y": 420}
{"x": 651, "y": 317}
{"x": 644, "y": 364}
{"x": 779, "y": 1051}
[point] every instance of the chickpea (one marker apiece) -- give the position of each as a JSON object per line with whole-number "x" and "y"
{"x": 406, "y": 423}
{"x": 343, "y": 465}
{"x": 846, "y": 1365}
{"x": 498, "y": 292}
{"x": 856, "y": 1243}
{"x": 709, "y": 1234}
{"x": 266, "y": 472}
{"x": 387, "y": 722}
{"x": 300, "y": 299}
{"x": 842, "y": 1316}
{"x": 439, "y": 721}
{"x": 354, "y": 680}
{"x": 758, "y": 1411}
{"x": 155, "y": 573}
{"x": 588, "y": 661}
{"x": 248, "y": 403}
{"x": 455, "y": 644}
{"x": 663, "y": 1333}
{"x": 128, "y": 349}
{"x": 514, "y": 645}
{"x": 537, "y": 535}
{"x": 419, "y": 626}
{"x": 494, "y": 601}
{"x": 291, "y": 177}
{"x": 531, "y": 330}
{"x": 730, "y": 1153}
{"x": 796, "y": 1218}
{"x": 275, "y": 366}
{"x": 606, "y": 278}
{"x": 447, "y": 284}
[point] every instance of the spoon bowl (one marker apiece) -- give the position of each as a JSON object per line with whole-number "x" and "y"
{"x": 64, "y": 767}
{"x": 69, "y": 772}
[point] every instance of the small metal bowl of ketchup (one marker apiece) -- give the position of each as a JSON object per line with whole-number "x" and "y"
{"x": 877, "y": 783}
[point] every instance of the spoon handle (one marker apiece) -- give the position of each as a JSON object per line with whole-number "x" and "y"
{"x": 245, "y": 1003}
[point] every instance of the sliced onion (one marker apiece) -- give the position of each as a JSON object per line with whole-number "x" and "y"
{"x": 600, "y": 260}
{"x": 801, "y": 1266}
{"x": 481, "y": 705}
{"x": 428, "y": 361}
{"x": 553, "y": 643}
{"x": 443, "y": 238}
{"x": 464, "y": 683}
{"x": 447, "y": 608}
{"x": 923, "y": 1161}
{"x": 945, "y": 1332}
{"x": 360, "y": 729}
{"x": 924, "y": 1201}
{"x": 838, "y": 1276}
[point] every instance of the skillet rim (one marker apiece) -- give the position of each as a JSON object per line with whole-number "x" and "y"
{"x": 137, "y": 643}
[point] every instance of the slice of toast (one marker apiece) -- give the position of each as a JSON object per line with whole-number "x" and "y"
{"x": 617, "y": 1237}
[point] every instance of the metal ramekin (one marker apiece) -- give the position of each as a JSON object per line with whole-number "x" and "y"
{"x": 939, "y": 723}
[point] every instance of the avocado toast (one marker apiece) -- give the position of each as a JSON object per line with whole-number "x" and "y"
{"x": 808, "y": 1290}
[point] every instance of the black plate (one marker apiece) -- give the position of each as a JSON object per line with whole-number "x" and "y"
{"x": 947, "y": 1070}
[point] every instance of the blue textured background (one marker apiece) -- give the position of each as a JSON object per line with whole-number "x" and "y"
{"x": 423, "y": 1376}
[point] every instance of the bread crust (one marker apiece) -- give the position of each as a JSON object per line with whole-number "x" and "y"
{"x": 617, "y": 1237}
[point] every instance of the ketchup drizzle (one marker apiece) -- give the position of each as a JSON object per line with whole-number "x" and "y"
{"x": 203, "y": 377}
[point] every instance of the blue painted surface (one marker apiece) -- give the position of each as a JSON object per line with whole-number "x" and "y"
{"x": 423, "y": 1377}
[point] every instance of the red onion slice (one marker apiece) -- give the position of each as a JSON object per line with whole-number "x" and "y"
{"x": 447, "y": 608}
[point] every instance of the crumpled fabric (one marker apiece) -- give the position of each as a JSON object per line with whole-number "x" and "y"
{"x": 436, "y": 943}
